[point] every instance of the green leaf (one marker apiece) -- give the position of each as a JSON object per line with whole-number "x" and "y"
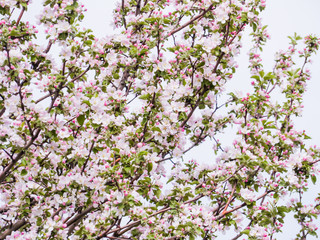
{"x": 72, "y": 6}
{"x": 313, "y": 179}
{"x": 255, "y": 77}
{"x": 261, "y": 73}
{"x": 88, "y": 42}
{"x": 128, "y": 170}
{"x": 142, "y": 153}
{"x": 254, "y": 26}
{"x": 156, "y": 129}
{"x": 144, "y": 97}
{"x": 63, "y": 36}
{"x": 81, "y": 119}
{"x": 282, "y": 209}
{"x": 150, "y": 167}
{"x": 117, "y": 150}
{"x": 269, "y": 76}
{"x": 170, "y": 180}
{"x": 306, "y": 137}
{"x": 247, "y": 231}
{"x": 81, "y": 161}
{"x": 25, "y": 5}
{"x": 24, "y": 172}
{"x": 39, "y": 221}
{"x": 157, "y": 192}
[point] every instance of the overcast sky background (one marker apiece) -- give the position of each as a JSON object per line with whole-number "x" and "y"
{"x": 283, "y": 17}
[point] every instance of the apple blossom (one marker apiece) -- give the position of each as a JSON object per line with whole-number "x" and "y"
{"x": 93, "y": 136}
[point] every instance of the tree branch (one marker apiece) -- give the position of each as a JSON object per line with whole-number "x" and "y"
{"x": 230, "y": 198}
{"x": 85, "y": 164}
{"x": 138, "y": 9}
{"x": 154, "y": 214}
{"x": 190, "y": 21}
{"x": 3, "y": 110}
{"x": 4, "y": 174}
{"x": 241, "y": 206}
{"x": 79, "y": 216}
{"x": 14, "y": 227}
{"x": 20, "y": 16}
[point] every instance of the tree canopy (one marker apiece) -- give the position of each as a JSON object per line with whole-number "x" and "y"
{"x": 93, "y": 130}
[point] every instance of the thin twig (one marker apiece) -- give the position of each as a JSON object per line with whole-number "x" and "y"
{"x": 2, "y": 111}
{"x": 20, "y": 16}
{"x": 86, "y": 162}
{"x": 190, "y": 21}
{"x": 154, "y": 214}
{"x": 229, "y": 200}
{"x": 241, "y": 206}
